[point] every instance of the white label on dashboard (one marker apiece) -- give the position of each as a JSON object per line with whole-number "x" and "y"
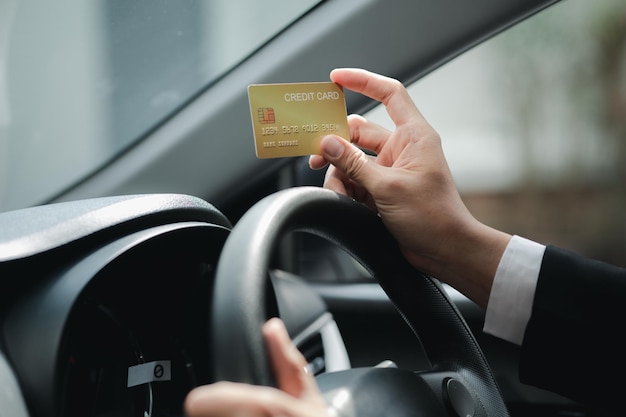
{"x": 149, "y": 372}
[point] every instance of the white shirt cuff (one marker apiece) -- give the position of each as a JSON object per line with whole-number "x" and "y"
{"x": 511, "y": 299}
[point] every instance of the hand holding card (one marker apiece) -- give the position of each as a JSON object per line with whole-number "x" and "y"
{"x": 291, "y": 119}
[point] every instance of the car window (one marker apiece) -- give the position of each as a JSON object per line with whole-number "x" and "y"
{"x": 82, "y": 80}
{"x": 533, "y": 124}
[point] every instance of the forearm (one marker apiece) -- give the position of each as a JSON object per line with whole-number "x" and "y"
{"x": 476, "y": 259}
{"x": 469, "y": 261}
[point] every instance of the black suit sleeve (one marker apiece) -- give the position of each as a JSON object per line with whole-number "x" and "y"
{"x": 574, "y": 342}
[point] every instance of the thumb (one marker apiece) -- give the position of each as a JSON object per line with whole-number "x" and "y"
{"x": 348, "y": 159}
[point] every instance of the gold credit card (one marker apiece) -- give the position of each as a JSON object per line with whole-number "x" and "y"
{"x": 291, "y": 119}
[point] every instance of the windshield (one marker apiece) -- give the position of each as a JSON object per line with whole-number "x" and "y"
{"x": 80, "y": 81}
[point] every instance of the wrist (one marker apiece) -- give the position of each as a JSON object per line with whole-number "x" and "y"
{"x": 474, "y": 261}
{"x": 469, "y": 261}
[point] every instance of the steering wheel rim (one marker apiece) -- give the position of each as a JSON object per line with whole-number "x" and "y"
{"x": 241, "y": 285}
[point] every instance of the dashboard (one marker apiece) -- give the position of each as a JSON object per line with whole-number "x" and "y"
{"x": 118, "y": 306}
{"x": 111, "y": 317}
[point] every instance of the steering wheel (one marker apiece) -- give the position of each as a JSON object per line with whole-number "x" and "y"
{"x": 459, "y": 381}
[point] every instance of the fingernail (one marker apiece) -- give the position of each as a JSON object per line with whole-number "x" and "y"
{"x": 332, "y": 147}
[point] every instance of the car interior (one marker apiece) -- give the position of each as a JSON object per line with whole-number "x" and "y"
{"x": 135, "y": 269}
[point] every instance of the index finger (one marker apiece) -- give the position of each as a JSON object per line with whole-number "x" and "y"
{"x": 388, "y": 91}
{"x": 288, "y": 363}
